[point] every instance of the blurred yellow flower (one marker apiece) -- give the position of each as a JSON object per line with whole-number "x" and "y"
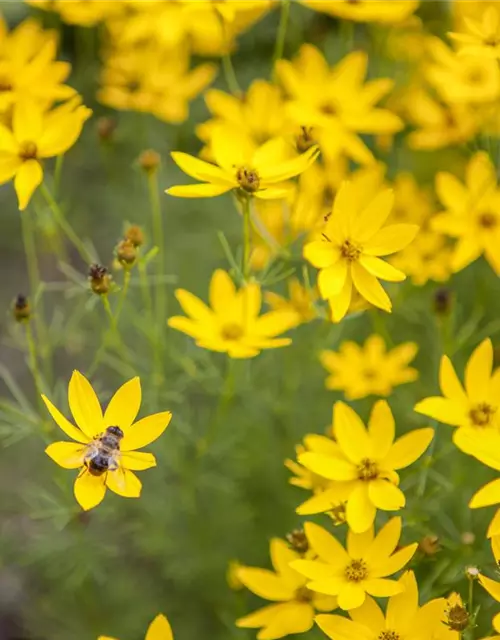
{"x": 301, "y": 302}
{"x": 456, "y": 618}
{"x": 241, "y": 165}
{"x": 366, "y": 461}
{"x": 481, "y": 37}
{"x": 37, "y": 134}
{"x": 428, "y": 257}
{"x": 360, "y": 569}
{"x": 371, "y": 369}
{"x": 232, "y": 577}
{"x": 404, "y": 618}
{"x": 159, "y": 629}
{"x": 86, "y": 13}
{"x": 385, "y": 11}
{"x": 232, "y": 323}
{"x": 472, "y": 213}
{"x": 348, "y": 253}
{"x": 295, "y": 605}
{"x": 105, "y": 444}
{"x": 336, "y": 102}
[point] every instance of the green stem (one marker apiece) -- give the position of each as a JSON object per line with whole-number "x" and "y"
{"x": 126, "y": 283}
{"x": 471, "y": 632}
{"x": 281, "y": 37}
{"x": 68, "y": 230}
{"x": 58, "y": 173}
{"x": 107, "y": 307}
{"x": 227, "y": 394}
{"x": 147, "y": 298}
{"x": 159, "y": 240}
{"x": 246, "y": 237}
{"x": 227, "y": 61}
{"x": 33, "y": 359}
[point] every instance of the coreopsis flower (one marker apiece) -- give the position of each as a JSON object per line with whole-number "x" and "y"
{"x": 105, "y": 447}
{"x": 384, "y": 11}
{"x": 360, "y": 569}
{"x": 348, "y": 253}
{"x": 472, "y": 213}
{"x": 301, "y": 302}
{"x": 336, "y": 102}
{"x": 456, "y": 617}
{"x": 86, "y": 13}
{"x": 473, "y": 409}
{"x": 366, "y": 461}
{"x": 159, "y": 629}
{"x": 404, "y": 618}
{"x": 480, "y": 38}
{"x": 462, "y": 79}
{"x": 37, "y": 134}
{"x": 294, "y": 605}
{"x": 232, "y": 323}
{"x": 370, "y": 369}
{"x": 241, "y": 165}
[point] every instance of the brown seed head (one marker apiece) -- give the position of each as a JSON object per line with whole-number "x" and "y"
{"x": 100, "y": 279}
{"x": 22, "y": 309}
{"x": 457, "y": 618}
{"x": 126, "y": 253}
{"x": 106, "y": 127}
{"x": 297, "y": 539}
{"x": 149, "y": 160}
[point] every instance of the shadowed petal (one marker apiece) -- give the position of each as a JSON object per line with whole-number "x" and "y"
{"x": 124, "y": 483}
{"x": 67, "y": 454}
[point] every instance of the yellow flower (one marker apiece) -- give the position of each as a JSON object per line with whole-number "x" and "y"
{"x": 474, "y": 410}
{"x": 460, "y": 79}
{"x": 492, "y": 586}
{"x": 159, "y": 629}
{"x": 348, "y": 253}
{"x": 336, "y": 102}
{"x": 403, "y": 617}
{"x": 294, "y": 605}
{"x": 37, "y": 134}
{"x": 385, "y": 11}
{"x": 371, "y": 369}
{"x": 301, "y": 302}
{"x": 428, "y": 257}
{"x": 105, "y": 445}
{"x": 366, "y": 461}
{"x": 472, "y": 213}
{"x": 482, "y": 37}
{"x": 456, "y": 617}
{"x": 363, "y": 568}
{"x": 241, "y": 165}
{"x": 232, "y": 323}
{"x": 86, "y": 13}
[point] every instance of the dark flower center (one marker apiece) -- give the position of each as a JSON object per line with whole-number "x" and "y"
{"x": 28, "y": 151}
{"x": 248, "y": 179}
{"x": 482, "y": 414}
{"x": 303, "y": 594}
{"x": 350, "y": 251}
{"x": 232, "y": 331}
{"x": 388, "y": 635}
{"x": 488, "y": 220}
{"x": 367, "y": 470}
{"x": 458, "y": 618}
{"x": 356, "y": 571}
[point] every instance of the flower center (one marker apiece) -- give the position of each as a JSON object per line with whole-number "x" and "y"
{"x": 305, "y": 139}
{"x": 356, "y": 571}
{"x": 388, "y": 635}
{"x": 491, "y": 41}
{"x": 303, "y": 594}
{"x": 337, "y": 514}
{"x": 350, "y": 251}
{"x": 5, "y": 85}
{"x": 475, "y": 76}
{"x": 482, "y": 414}
{"x": 28, "y": 151}
{"x": 458, "y": 618}
{"x": 232, "y": 331}
{"x": 329, "y": 109}
{"x": 488, "y": 220}
{"x": 367, "y": 470}
{"x": 369, "y": 373}
{"x": 248, "y": 179}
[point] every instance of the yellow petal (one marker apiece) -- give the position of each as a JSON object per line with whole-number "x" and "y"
{"x": 124, "y": 483}
{"x": 385, "y": 495}
{"x": 28, "y": 177}
{"x": 381, "y": 269}
{"x": 383, "y": 588}
{"x": 137, "y": 460}
{"x": 491, "y": 586}
{"x": 194, "y": 307}
{"x": 260, "y": 618}
{"x": 478, "y": 370}
{"x": 393, "y": 564}
{"x": 339, "y": 628}
{"x": 351, "y": 433}
{"x": 68, "y": 455}
{"x": 487, "y": 495}
{"x": 265, "y": 584}
{"x": 381, "y": 428}
{"x": 222, "y": 291}
{"x": 203, "y": 171}
{"x": 145, "y": 431}
{"x": 321, "y": 254}
{"x": 281, "y": 557}
{"x": 390, "y": 239}
{"x": 494, "y": 526}
{"x": 188, "y": 326}
{"x": 124, "y": 406}
{"x": 339, "y": 305}
{"x": 289, "y": 168}
{"x": 331, "y": 280}
{"x": 290, "y": 618}
{"x": 385, "y": 542}
{"x": 351, "y": 596}
{"x": 451, "y": 191}
{"x": 89, "y": 490}
{"x": 198, "y": 190}
{"x": 159, "y": 629}
{"x": 360, "y": 510}
{"x": 65, "y": 424}
{"x": 372, "y": 218}
{"x": 329, "y": 467}
{"x": 8, "y": 168}
{"x": 408, "y": 448}
{"x": 27, "y": 122}
{"x": 312, "y": 569}
{"x": 84, "y": 405}
{"x": 402, "y": 608}
{"x": 325, "y": 545}
{"x": 449, "y": 382}
{"x": 443, "y": 410}
{"x": 370, "y": 288}
{"x": 369, "y": 615}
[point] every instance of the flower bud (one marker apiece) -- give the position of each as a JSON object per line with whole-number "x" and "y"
{"x": 429, "y": 545}
{"x": 149, "y": 160}
{"x": 443, "y": 300}
{"x": 22, "y": 309}
{"x": 135, "y": 234}
{"x": 99, "y": 278}
{"x": 106, "y": 127}
{"x": 126, "y": 253}
{"x": 297, "y": 539}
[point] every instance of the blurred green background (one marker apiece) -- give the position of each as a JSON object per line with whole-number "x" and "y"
{"x": 65, "y": 574}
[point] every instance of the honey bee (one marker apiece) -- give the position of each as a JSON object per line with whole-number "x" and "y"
{"x": 103, "y": 452}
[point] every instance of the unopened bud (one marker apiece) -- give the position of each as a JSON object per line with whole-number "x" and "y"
{"x": 126, "y": 253}
{"x": 443, "y": 300}
{"x": 468, "y": 538}
{"x": 22, "y": 309}
{"x": 149, "y": 160}
{"x": 429, "y": 545}
{"x": 456, "y": 615}
{"x": 106, "y": 127}
{"x": 297, "y": 539}
{"x": 135, "y": 234}
{"x": 99, "y": 278}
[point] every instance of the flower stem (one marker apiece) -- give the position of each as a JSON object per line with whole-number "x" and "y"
{"x": 126, "y": 284}
{"x": 471, "y": 632}
{"x": 227, "y": 394}
{"x": 68, "y": 230}
{"x": 281, "y": 37}
{"x": 159, "y": 240}
{"x": 107, "y": 308}
{"x": 58, "y": 173}
{"x": 227, "y": 61}
{"x": 33, "y": 359}
{"x": 246, "y": 237}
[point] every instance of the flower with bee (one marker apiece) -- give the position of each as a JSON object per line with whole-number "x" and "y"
{"x": 105, "y": 447}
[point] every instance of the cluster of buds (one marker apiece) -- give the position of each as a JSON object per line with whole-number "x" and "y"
{"x": 127, "y": 250}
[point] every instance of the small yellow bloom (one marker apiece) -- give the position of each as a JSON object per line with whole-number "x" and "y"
{"x": 456, "y": 617}
{"x": 159, "y": 629}
{"x": 232, "y": 323}
{"x": 371, "y": 369}
{"x": 37, "y": 134}
{"x": 384, "y": 11}
{"x": 482, "y": 36}
{"x": 474, "y": 410}
{"x": 403, "y": 618}
{"x": 472, "y": 213}
{"x": 360, "y": 569}
{"x": 241, "y": 165}
{"x": 294, "y": 605}
{"x": 301, "y": 302}
{"x": 348, "y": 252}
{"x": 365, "y": 461}
{"x": 105, "y": 444}
{"x": 493, "y": 586}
